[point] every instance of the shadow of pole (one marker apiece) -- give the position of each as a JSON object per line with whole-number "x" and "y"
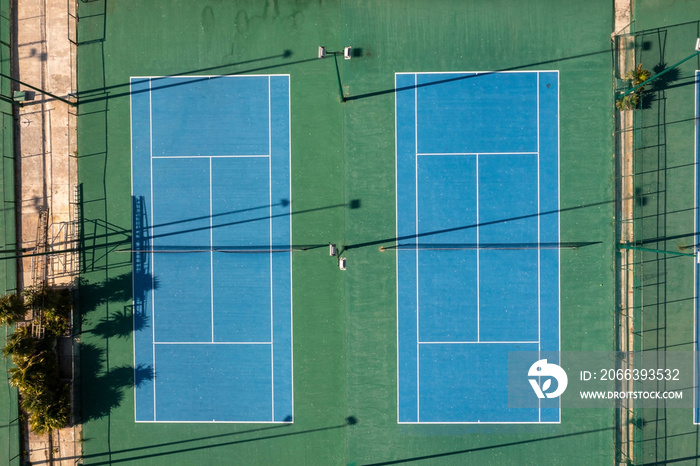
{"x": 13, "y": 254}
{"x": 337, "y": 71}
{"x": 285, "y": 54}
{"x": 467, "y": 227}
{"x": 127, "y": 93}
{"x": 471, "y": 76}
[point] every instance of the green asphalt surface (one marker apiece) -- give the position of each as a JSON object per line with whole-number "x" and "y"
{"x": 343, "y": 191}
{"x": 9, "y": 423}
{"x": 665, "y": 168}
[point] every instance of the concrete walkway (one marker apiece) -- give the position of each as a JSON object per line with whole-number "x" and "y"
{"x": 47, "y": 168}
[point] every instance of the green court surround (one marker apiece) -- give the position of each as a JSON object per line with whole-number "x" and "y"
{"x": 664, "y": 135}
{"x": 342, "y": 192}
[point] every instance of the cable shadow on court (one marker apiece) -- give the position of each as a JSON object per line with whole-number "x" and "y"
{"x": 133, "y": 286}
{"x": 125, "y": 86}
{"x": 472, "y": 76}
{"x": 655, "y": 46}
{"x": 124, "y": 89}
{"x": 98, "y": 237}
{"x": 141, "y": 453}
{"x": 466, "y": 451}
{"x": 408, "y": 241}
{"x": 144, "y": 234}
{"x": 104, "y": 387}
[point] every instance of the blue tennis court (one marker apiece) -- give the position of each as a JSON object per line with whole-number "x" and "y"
{"x": 211, "y": 254}
{"x": 477, "y": 192}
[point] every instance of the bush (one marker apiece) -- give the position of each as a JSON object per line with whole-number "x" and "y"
{"x": 635, "y": 77}
{"x": 638, "y": 75}
{"x": 48, "y": 410}
{"x": 20, "y": 345}
{"x": 55, "y": 304}
{"x": 628, "y": 102}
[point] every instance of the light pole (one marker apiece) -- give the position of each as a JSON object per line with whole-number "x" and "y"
{"x": 347, "y": 54}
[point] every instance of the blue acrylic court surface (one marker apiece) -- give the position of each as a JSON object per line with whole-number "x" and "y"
{"x": 477, "y": 192}
{"x": 211, "y": 260}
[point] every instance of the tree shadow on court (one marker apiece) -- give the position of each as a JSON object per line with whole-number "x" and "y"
{"x": 121, "y": 324}
{"x": 656, "y": 45}
{"x": 665, "y": 80}
{"x": 104, "y": 387}
{"x": 669, "y": 80}
{"x": 133, "y": 287}
{"x": 117, "y": 289}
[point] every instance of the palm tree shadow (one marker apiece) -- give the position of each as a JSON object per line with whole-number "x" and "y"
{"x": 121, "y": 324}
{"x": 106, "y": 386}
{"x": 117, "y": 289}
{"x": 664, "y": 81}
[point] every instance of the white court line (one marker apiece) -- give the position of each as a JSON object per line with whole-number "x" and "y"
{"x": 480, "y": 422}
{"x": 194, "y": 76}
{"x": 537, "y": 153}
{"x": 291, "y": 287}
{"x": 558, "y": 238}
{"x": 539, "y": 212}
{"x": 695, "y": 266}
{"x": 211, "y": 246}
{"x": 245, "y": 156}
{"x": 478, "y": 283}
{"x": 433, "y": 154}
{"x": 211, "y": 235}
{"x": 396, "y": 229}
{"x": 133, "y": 245}
{"x": 539, "y": 263}
{"x": 214, "y": 422}
{"x": 482, "y": 342}
{"x": 475, "y": 72}
{"x": 415, "y": 162}
{"x": 153, "y": 261}
{"x": 269, "y": 184}
{"x": 212, "y": 342}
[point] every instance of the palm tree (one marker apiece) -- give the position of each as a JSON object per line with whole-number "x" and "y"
{"x": 55, "y": 305}
{"x": 33, "y": 373}
{"x": 20, "y": 345}
{"x": 47, "y": 401}
{"x": 12, "y": 309}
{"x": 44, "y": 396}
